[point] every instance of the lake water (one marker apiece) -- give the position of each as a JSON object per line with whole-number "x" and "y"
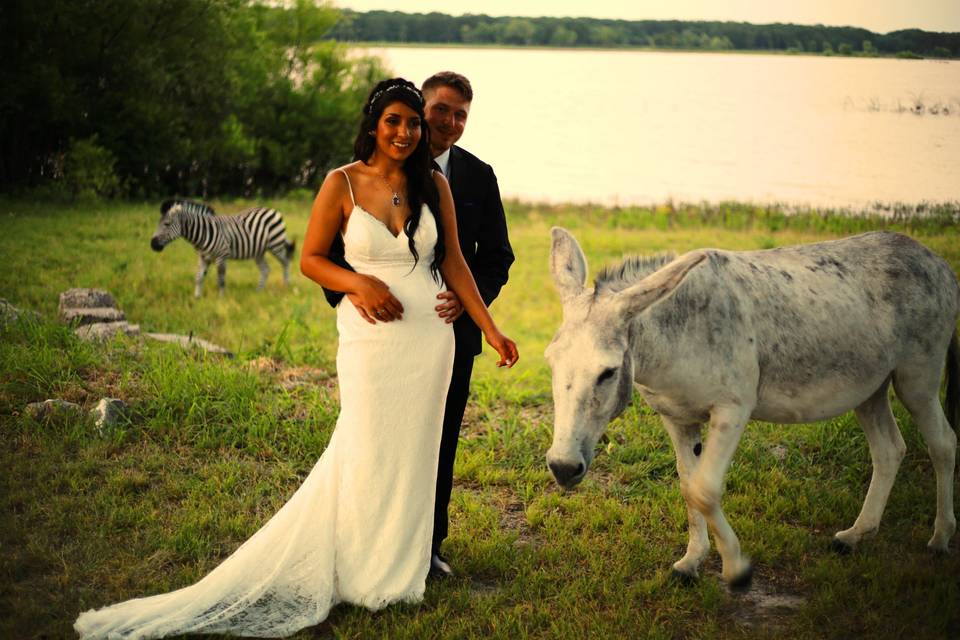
{"x": 632, "y": 127}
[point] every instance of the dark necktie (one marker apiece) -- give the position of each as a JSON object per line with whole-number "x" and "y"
{"x": 436, "y": 166}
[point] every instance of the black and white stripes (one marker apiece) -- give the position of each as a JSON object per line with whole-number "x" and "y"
{"x": 247, "y": 235}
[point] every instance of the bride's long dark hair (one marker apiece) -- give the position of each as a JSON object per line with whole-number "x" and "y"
{"x": 420, "y": 185}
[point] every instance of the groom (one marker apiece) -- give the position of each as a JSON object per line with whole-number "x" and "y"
{"x": 482, "y": 228}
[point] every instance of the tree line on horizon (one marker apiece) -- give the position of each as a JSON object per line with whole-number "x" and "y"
{"x": 440, "y": 28}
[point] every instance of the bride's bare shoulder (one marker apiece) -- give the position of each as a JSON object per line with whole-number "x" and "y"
{"x": 355, "y": 168}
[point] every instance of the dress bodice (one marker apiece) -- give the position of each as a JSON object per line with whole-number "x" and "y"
{"x": 370, "y": 246}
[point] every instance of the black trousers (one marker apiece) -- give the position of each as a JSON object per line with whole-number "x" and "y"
{"x": 452, "y": 418}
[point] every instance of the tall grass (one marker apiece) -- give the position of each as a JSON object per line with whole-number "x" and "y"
{"x": 213, "y": 447}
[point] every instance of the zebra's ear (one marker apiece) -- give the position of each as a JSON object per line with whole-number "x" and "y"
{"x": 165, "y": 206}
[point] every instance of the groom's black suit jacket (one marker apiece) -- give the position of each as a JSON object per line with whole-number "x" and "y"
{"x": 482, "y": 227}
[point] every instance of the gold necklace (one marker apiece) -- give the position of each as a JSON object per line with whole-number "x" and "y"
{"x": 396, "y": 196}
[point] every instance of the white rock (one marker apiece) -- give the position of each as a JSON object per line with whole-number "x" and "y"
{"x": 44, "y": 410}
{"x": 82, "y": 298}
{"x": 108, "y": 413}
{"x": 91, "y": 315}
{"x": 102, "y": 331}
{"x": 190, "y": 341}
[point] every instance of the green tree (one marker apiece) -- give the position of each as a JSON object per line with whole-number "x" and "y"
{"x": 518, "y": 31}
{"x": 563, "y": 37}
{"x": 187, "y": 96}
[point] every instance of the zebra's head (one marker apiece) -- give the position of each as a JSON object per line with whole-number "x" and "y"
{"x": 171, "y": 215}
{"x": 168, "y": 229}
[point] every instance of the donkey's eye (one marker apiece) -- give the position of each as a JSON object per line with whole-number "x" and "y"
{"x": 606, "y": 375}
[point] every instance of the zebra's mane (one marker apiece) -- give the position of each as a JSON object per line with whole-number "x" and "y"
{"x": 618, "y": 277}
{"x": 190, "y": 206}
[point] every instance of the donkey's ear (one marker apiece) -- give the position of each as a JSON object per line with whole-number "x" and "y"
{"x": 658, "y": 284}
{"x": 567, "y": 263}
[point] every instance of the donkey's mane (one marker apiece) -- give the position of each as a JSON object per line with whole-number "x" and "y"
{"x": 618, "y": 277}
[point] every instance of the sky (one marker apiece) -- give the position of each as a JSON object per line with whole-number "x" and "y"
{"x": 880, "y": 16}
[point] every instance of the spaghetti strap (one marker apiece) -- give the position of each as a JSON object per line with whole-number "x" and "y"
{"x": 349, "y": 186}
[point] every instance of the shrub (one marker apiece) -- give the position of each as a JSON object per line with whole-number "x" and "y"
{"x": 89, "y": 170}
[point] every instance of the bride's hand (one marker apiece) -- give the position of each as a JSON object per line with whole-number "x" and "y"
{"x": 506, "y": 347}
{"x": 373, "y": 300}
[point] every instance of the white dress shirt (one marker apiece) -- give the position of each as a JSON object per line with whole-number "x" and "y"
{"x": 444, "y": 161}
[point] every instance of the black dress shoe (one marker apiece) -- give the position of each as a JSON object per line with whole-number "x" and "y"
{"x": 439, "y": 568}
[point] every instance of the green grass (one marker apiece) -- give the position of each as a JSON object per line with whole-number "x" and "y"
{"x": 215, "y": 446}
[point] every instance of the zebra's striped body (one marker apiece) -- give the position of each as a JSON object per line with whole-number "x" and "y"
{"x": 247, "y": 235}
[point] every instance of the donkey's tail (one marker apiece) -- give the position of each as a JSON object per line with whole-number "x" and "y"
{"x": 953, "y": 382}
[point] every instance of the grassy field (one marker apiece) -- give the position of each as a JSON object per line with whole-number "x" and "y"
{"x": 215, "y": 446}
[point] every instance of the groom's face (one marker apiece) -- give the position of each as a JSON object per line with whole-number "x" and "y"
{"x": 446, "y": 111}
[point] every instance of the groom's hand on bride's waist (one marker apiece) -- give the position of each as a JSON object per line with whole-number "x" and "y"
{"x": 450, "y": 308}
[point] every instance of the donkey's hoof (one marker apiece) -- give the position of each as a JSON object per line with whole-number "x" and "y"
{"x": 741, "y": 583}
{"x": 938, "y": 552}
{"x": 683, "y": 579}
{"x": 840, "y": 547}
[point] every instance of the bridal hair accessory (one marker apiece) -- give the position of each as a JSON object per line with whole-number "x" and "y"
{"x": 393, "y": 87}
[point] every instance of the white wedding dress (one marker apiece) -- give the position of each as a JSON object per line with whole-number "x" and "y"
{"x": 359, "y": 528}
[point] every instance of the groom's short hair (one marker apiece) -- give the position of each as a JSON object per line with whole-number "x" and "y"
{"x": 450, "y": 79}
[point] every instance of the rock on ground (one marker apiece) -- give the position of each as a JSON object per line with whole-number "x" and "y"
{"x": 108, "y": 413}
{"x": 41, "y": 411}
{"x": 91, "y": 315}
{"x": 83, "y": 298}
{"x": 190, "y": 341}
{"x": 102, "y": 331}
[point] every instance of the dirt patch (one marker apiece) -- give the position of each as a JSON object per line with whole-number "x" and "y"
{"x": 767, "y": 606}
{"x": 513, "y": 513}
{"x": 302, "y": 376}
{"x": 264, "y": 364}
{"x": 290, "y": 378}
{"x": 481, "y": 587}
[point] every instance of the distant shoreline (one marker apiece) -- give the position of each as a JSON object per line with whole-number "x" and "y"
{"x": 534, "y": 47}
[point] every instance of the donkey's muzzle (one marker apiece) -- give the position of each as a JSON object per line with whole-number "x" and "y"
{"x": 566, "y": 474}
{"x": 155, "y": 244}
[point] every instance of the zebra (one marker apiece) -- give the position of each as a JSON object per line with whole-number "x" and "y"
{"x": 216, "y": 238}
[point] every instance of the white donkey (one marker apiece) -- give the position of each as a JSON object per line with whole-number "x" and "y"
{"x": 789, "y": 335}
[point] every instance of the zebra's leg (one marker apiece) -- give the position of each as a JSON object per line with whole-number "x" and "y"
{"x": 282, "y": 255}
{"x": 221, "y": 273}
{"x": 202, "y": 267}
{"x": 264, "y": 271}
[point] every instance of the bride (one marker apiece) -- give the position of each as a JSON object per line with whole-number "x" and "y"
{"x": 358, "y": 529}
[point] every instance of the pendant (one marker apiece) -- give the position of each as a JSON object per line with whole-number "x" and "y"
{"x": 396, "y": 200}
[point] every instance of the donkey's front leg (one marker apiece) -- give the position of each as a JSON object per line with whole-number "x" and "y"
{"x": 706, "y": 488}
{"x": 202, "y": 267}
{"x": 221, "y": 273}
{"x": 687, "y": 446}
